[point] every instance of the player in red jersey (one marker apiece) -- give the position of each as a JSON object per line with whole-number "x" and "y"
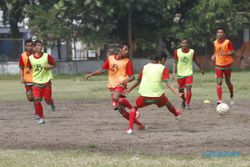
{"x": 183, "y": 65}
{"x": 223, "y": 60}
{"x": 26, "y": 78}
{"x": 120, "y": 72}
{"x": 41, "y": 64}
{"x": 151, "y": 90}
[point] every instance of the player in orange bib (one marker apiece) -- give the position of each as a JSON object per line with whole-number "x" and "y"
{"x": 26, "y": 78}
{"x": 223, "y": 59}
{"x": 120, "y": 72}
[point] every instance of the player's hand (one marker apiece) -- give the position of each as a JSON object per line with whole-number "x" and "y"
{"x": 126, "y": 91}
{"x": 22, "y": 80}
{"x": 47, "y": 67}
{"x": 173, "y": 76}
{"x": 179, "y": 94}
{"x": 87, "y": 76}
{"x": 27, "y": 71}
{"x": 137, "y": 116}
{"x": 125, "y": 82}
{"x": 213, "y": 58}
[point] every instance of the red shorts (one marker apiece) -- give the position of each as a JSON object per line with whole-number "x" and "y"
{"x": 186, "y": 81}
{"x": 142, "y": 101}
{"x": 28, "y": 88}
{"x": 221, "y": 73}
{"x": 118, "y": 89}
{"x": 40, "y": 92}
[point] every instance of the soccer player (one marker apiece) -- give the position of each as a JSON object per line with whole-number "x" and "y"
{"x": 151, "y": 90}
{"x": 120, "y": 72}
{"x": 41, "y": 64}
{"x": 223, "y": 60}
{"x": 26, "y": 78}
{"x": 183, "y": 65}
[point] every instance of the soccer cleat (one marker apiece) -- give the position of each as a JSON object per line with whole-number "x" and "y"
{"x": 179, "y": 112}
{"x": 130, "y": 131}
{"x": 231, "y": 101}
{"x": 141, "y": 127}
{"x": 188, "y": 107}
{"x": 41, "y": 121}
{"x": 53, "y": 107}
{"x": 218, "y": 102}
{"x": 183, "y": 104}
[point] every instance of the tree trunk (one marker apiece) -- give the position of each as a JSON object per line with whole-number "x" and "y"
{"x": 59, "y": 49}
{"x": 130, "y": 41}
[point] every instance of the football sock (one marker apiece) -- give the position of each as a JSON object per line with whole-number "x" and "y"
{"x": 39, "y": 109}
{"x": 172, "y": 110}
{"x": 231, "y": 90}
{"x": 219, "y": 92}
{"x": 132, "y": 118}
{"x": 188, "y": 97}
{"x": 126, "y": 115}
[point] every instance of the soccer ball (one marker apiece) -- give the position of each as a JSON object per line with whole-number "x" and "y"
{"x": 222, "y": 109}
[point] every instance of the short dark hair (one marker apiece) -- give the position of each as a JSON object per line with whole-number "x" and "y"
{"x": 159, "y": 56}
{"x": 184, "y": 39}
{"x": 221, "y": 28}
{"x": 28, "y": 41}
{"x": 122, "y": 44}
{"x": 38, "y": 41}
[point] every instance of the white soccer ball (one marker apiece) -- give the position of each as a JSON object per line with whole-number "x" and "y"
{"x": 222, "y": 109}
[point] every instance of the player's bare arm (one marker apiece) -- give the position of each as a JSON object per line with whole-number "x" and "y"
{"x": 138, "y": 81}
{"x": 231, "y": 53}
{"x": 97, "y": 72}
{"x": 174, "y": 70}
{"x": 21, "y": 75}
{"x": 175, "y": 91}
{"x": 129, "y": 79}
{"x": 49, "y": 67}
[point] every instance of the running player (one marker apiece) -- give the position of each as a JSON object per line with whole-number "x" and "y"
{"x": 223, "y": 59}
{"x": 120, "y": 72}
{"x": 26, "y": 78}
{"x": 41, "y": 64}
{"x": 183, "y": 64}
{"x": 151, "y": 90}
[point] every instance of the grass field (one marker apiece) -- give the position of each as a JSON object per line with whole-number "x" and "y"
{"x": 76, "y": 88}
{"x": 24, "y": 158}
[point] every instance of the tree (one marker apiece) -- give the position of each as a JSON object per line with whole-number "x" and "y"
{"x": 203, "y": 18}
{"x": 99, "y": 21}
{"x": 13, "y": 13}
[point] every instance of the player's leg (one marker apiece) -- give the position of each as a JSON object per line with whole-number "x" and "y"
{"x": 132, "y": 115}
{"x": 47, "y": 94}
{"x": 229, "y": 85}
{"x": 29, "y": 93}
{"x": 126, "y": 115}
{"x": 120, "y": 98}
{"x": 170, "y": 106}
{"x": 219, "y": 77}
{"x": 37, "y": 93}
{"x": 188, "y": 84}
{"x": 181, "y": 86}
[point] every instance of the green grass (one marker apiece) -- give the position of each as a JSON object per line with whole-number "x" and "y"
{"x": 24, "y": 158}
{"x": 76, "y": 87}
